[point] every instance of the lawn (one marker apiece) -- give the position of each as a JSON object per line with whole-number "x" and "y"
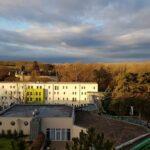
{"x": 6, "y": 143}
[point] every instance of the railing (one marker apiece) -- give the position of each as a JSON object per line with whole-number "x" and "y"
{"x": 129, "y": 119}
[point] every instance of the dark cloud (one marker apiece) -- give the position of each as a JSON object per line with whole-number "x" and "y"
{"x": 67, "y": 30}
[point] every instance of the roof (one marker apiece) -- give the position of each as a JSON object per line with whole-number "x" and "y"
{"x": 42, "y": 111}
{"x": 18, "y": 82}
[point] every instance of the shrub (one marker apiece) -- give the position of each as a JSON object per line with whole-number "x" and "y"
{"x": 9, "y": 134}
{"x": 15, "y": 134}
{"x": 3, "y": 133}
{"x": 21, "y": 133}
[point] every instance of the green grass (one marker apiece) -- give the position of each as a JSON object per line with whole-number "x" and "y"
{"x": 6, "y": 143}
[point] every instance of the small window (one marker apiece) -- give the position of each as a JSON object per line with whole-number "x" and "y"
{"x": 12, "y": 123}
{"x": 26, "y": 123}
{"x": 0, "y": 123}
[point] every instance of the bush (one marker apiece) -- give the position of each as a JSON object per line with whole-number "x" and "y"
{"x": 21, "y": 133}
{"x": 15, "y": 134}
{"x": 9, "y": 134}
{"x": 3, "y": 133}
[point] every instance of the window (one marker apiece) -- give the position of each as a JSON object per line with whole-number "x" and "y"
{"x": 68, "y": 134}
{"x": 14, "y": 87}
{"x": 64, "y": 134}
{"x": 94, "y": 87}
{"x": 75, "y": 87}
{"x": 52, "y": 134}
{"x": 12, "y": 123}
{"x": 56, "y": 88}
{"x": 0, "y": 123}
{"x": 49, "y": 87}
{"x": 64, "y": 93}
{"x": 3, "y": 87}
{"x": 58, "y": 134}
{"x": 49, "y": 92}
{"x": 26, "y": 123}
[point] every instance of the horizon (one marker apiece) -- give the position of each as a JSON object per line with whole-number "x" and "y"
{"x": 100, "y": 31}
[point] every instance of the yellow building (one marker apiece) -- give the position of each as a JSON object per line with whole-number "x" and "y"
{"x": 34, "y": 95}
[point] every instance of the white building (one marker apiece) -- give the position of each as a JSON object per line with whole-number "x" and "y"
{"x": 74, "y": 93}
{"x": 55, "y": 121}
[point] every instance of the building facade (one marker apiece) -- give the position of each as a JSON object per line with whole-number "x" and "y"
{"x": 72, "y": 93}
{"x": 55, "y": 121}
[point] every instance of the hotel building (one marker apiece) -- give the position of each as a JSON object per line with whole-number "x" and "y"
{"x": 71, "y": 93}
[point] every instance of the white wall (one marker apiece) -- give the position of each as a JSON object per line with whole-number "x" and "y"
{"x": 54, "y": 92}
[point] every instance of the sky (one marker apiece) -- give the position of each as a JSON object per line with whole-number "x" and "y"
{"x": 64, "y": 31}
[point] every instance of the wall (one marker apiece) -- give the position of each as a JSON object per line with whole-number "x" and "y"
{"x": 19, "y": 124}
{"x": 57, "y": 122}
{"x": 54, "y": 92}
{"x": 77, "y": 130}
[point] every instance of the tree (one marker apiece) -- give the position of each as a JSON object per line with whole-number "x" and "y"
{"x": 90, "y": 140}
{"x": 35, "y": 66}
{"x": 23, "y": 68}
{"x": 106, "y": 101}
{"x": 103, "y": 77}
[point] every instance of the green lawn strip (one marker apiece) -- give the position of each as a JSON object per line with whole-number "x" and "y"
{"x": 6, "y": 143}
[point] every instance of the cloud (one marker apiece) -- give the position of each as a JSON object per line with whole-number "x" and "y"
{"x": 91, "y": 31}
